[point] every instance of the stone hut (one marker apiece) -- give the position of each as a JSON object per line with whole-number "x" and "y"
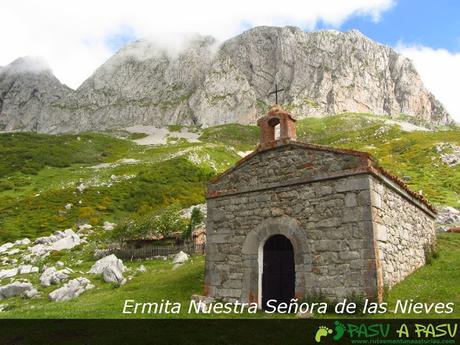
{"x": 292, "y": 220}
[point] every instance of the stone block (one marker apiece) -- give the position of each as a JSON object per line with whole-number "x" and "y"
{"x": 350, "y": 200}
{"x": 364, "y": 198}
{"x": 349, "y": 255}
{"x": 381, "y": 233}
{"x": 352, "y": 184}
{"x": 376, "y": 200}
{"x": 235, "y": 293}
{"x": 232, "y": 284}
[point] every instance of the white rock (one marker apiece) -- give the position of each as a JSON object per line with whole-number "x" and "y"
{"x": 81, "y": 187}
{"x": 72, "y": 289}
{"x": 112, "y": 274}
{"x": 180, "y": 258}
{"x": 53, "y": 276}
{"x": 22, "y": 242}
{"x": 32, "y": 293}
{"x": 8, "y": 273}
{"x": 85, "y": 227}
{"x": 109, "y": 226}
{"x": 68, "y": 206}
{"x": 12, "y": 251}
{"x": 14, "y": 289}
{"x": 39, "y": 249}
{"x": 6, "y": 246}
{"x": 110, "y": 260}
{"x": 26, "y": 269}
{"x": 141, "y": 268}
{"x": 59, "y": 264}
{"x": 66, "y": 243}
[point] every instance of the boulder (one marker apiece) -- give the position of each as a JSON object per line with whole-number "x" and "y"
{"x": 5, "y": 247}
{"x": 85, "y": 227}
{"x": 8, "y": 273}
{"x": 112, "y": 274}
{"x": 110, "y": 260}
{"x": 22, "y": 242}
{"x": 60, "y": 240}
{"x": 39, "y": 250}
{"x": 447, "y": 217}
{"x": 180, "y": 258}
{"x": 12, "y": 251}
{"x": 26, "y": 269}
{"x": 53, "y": 276}
{"x": 54, "y": 237}
{"x": 109, "y": 226}
{"x": 71, "y": 290}
{"x": 66, "y": 243}
{"x": 32, "y": 293}
{"x": 14, "y": 289}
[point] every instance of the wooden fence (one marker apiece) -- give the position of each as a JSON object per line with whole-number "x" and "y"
{"x": 152, "y": 251}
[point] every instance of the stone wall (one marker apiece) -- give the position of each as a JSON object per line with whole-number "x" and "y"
{"x": 403, "y": 227}
{"x": 354, "y": 228}
{"x": 329, "y": 223}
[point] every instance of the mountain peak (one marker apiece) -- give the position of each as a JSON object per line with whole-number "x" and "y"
{"x": 28, "y": 64}
{"x": 195, "y": 81}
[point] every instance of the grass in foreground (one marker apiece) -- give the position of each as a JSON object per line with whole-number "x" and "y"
{"x": 436, "y": 282}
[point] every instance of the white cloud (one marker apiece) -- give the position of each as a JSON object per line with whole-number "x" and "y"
{"x": 440, "y": 72}
{"x": 72, "y": 35}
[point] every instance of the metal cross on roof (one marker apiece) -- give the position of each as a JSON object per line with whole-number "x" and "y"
{"x": 276, "y": 93}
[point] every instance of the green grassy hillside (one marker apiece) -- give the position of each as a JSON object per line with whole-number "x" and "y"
{"x": 40, "y": 174}
{"x": 107, "y": 178}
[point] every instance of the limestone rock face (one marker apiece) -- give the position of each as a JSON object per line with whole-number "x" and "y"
{"x": 108, "y": 261}
{"x": 180, "y": 258}
{"x": 71, "y": 290}
{"x": 14, "y": 289}
{"x": 52, "y": 276}
{"x": 31, "y": 98}
{"x": 206, "y": 83}
{"x": 112, "y": 274}
{"x": 328, "y": 72}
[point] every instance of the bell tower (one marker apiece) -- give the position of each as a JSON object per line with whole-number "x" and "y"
{"x": 276, "y": 116}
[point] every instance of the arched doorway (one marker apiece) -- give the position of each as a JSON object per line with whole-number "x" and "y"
{"x": 278, "y": 274}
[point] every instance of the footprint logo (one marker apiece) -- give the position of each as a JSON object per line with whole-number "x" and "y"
{"x": 339, "y": 330}
{"x": 322, "y": 332}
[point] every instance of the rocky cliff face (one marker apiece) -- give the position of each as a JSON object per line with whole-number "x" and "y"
{"x": 30, "y": 98}
{"x": 323, "y": 72}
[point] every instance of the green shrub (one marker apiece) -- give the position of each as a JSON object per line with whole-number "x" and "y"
{"x": 195, "y": 219}
{"x": 164, "y": 223}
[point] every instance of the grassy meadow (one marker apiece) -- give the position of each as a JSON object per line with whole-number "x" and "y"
{"x": 108, "y": 177}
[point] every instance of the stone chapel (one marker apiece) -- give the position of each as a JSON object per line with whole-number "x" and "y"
{"x": 293, "y": 219}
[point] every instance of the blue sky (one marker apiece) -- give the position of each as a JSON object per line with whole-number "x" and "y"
{"x": 434, "y": 24}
